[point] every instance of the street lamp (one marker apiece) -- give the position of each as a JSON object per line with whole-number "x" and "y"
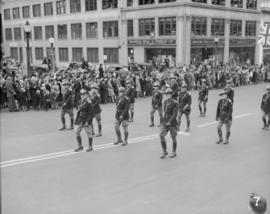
{"x": 216, "y": 42}
{"x": 51, "y": 41}
{"x": 27, "y": 30}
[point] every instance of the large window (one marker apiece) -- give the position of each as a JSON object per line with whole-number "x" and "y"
{"x": 26, "y": 11}
{"x": 92, "y": 30}
{"x": 112, "y": 55}
{"x": 147, "y": 27}
{"x": 14, "y": 53}
{"x": 110, "y": 29}
{"x": 109, "y": 4}
{"x": 8, "y": 33}
{"x": 217, "y": 27}
{"x": 7, "y": 14}
{"x": 77, "y": 54}
{"x": 61, "y": 7}
{"x": 36, "y": 10}
{"x": 16, "y": 12}
{"x": 62, "y": 31}
{"x": 130, "y": 27}
{"x": 92, "y": 55}
{"x": 237, "y": 3}
{"x": 76, "y": 31}
{"x": 75, "y": 6}
{"x": 235, "y": 27}
{"x": 63, "y": 54}
{"x": 17, "y": 33}
{"x": 38, "y": 33}
{"x": 166, "y": 1}
{"x": 250, "y": 28}
{"x": 90, "y": 5}
{"x": 199, "y": 26}
{"x": 200, "y": 1}
{"x": 144, "y": 2}
{"x": 48, "y": 9}
{"x": 167, "y": 26}
{"x": 49, "y": 31}
{"x": 39, "y": 53}
{"x": 252, "y": 4}
{"x": 218, "y": 2}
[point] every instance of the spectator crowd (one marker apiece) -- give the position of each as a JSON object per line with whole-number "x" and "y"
{"x": 43, "y": 91}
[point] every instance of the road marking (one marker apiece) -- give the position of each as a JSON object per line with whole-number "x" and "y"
{"x": 215, "y": 122}
{"x": 71, "y": 152}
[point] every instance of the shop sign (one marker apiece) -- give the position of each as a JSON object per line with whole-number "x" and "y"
{"x": 242, "y": 42}
{"x": 206, "y": 42}
{"x": 151, "y": 42}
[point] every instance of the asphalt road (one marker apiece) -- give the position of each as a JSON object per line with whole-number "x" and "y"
{"x": 41, "y": 174}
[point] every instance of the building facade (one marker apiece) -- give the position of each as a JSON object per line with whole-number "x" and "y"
{"x": 121, "y": 31}
{"x": 265, "y": 19}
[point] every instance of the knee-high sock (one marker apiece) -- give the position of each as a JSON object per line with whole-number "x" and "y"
{"x": 219, "y": 133}
{"x": 228, "y": 135}
{"x": 63, "y": 121}
{"x": 174, "y": 144}
{"x": 99, "y": 128}
{"x": 79, "y": 140}
{"x": 90, "y": 141}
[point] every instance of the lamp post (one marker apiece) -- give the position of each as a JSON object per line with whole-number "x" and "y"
{"x": 27, "y": 30}
{"x": 51, "y": 41}
{"x": 216, "y": 42}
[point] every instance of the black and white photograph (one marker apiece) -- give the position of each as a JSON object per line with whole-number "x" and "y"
{"x": 135, "y": 106}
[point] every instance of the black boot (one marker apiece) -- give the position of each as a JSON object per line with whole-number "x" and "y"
{"x": 99, "y": 131}
{"x": 80, "y": 147}
{"x": 90, "y": 148}
{"x": 152, "y": 121}
{"x": 71, "y": 124}
{"x": 119, "y": 139}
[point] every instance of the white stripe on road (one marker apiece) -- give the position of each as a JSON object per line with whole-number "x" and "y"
{"x": 215, "y": 122}
{"x": 71, "y": 152}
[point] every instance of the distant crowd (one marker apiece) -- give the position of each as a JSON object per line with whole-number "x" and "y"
{"x": 43, "y": 91}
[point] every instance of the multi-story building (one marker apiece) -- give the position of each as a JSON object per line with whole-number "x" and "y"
{"x": 123, "y": 30}
{"x": 265, "y": 19}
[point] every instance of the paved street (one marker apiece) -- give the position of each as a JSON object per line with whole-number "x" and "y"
{"x": 41, "y": 173}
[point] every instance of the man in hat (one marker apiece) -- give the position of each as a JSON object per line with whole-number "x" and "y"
{"x": 230, "y": 90}
{"x": 95, "y": 99}
{"x": 156, "y": 104}
{"x": 67, "y": 105}
{"x": 130, "y": 93}
{"x": 169, "y": 124}
{"x": 184, "y": 103}
{"x": 265, "y": 106}
{"x": 224, "y": 116}
{"x": 83, "y": 120}
{"x": 122, "y": 116}
{"x": 258, "y": 204}
{"x": 203, "y": 98}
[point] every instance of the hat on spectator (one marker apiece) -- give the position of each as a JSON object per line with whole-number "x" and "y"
{"x": 128, "y": 82}
{"x": 94, "y": 86}
{"x": 225, "y": 92}
{"x": 257, "y": 203}
{"x": 83, "y": 91}
{"x": 228, "y": 81}
{"x": 121, "y": 89}
{"x": 184, "y": 86}
{"x": 65, "y": 82}
{"x": 168, "y": 91}
{"x": 156, "y": 84}
{"x": 204, "y": 80}
{"x": 173, "y": 77}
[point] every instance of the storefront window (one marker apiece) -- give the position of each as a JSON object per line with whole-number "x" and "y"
{"x": 167, "y": 26}
{"x": 211, "y": 53}
{"x": 160, "y": 54}
{"x": 237, "y": 3}
{"x": 147, "y": 27}
{"x": 198, "y": 26}
{"x": 217, "y": 27}
{"x": 235, "y": 28}
{"x": 143, "y": 2}
{"x": 239, "y": 56}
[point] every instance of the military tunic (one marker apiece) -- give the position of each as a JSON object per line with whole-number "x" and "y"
{"x": 184, "y": 99}
{"x": 265, "y": 104}
{"x": 203, "y": 94}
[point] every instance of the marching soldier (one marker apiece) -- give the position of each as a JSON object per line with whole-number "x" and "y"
{"x": 95, "y": 99}
{"x": 174, "y": 85}
{"x": 224, "y": 116}
{"x": 156, "y": 104}
{"x": 169, "y": 124}
{"x": 203, "y": 98}
{"x": 230, "y": 90}
{"x": 122, "y": 116}
{"x": 265, "y": 106}
{"x": 130, "y": 93}
{"x": 184, "y": 104}
{"x": 83, "y": 120}
{"x": 67, "y": 106}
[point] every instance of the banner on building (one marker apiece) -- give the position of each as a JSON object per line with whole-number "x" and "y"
{"x": 264, "y": 36}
